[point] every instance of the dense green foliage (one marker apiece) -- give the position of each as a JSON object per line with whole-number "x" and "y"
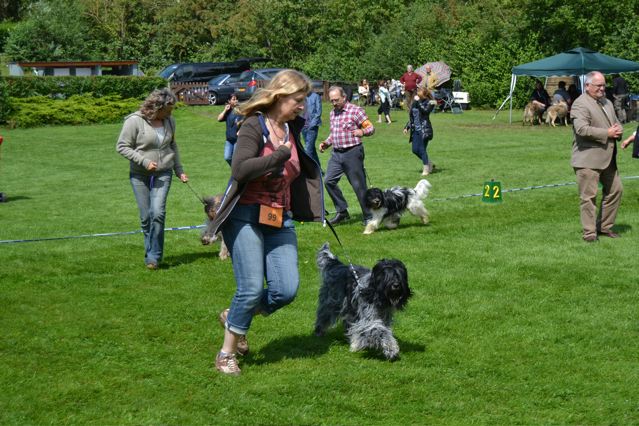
{"x": 6, "y": 105}
{"x": 76, "y": 110}
{"x": 331, "y": 39}
{"x": 38, "y": 101}
{"x": 63, "y": 87}
{"x": 514, "y": 320}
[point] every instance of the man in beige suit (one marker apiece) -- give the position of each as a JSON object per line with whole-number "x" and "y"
{"x": 594, "y": 152}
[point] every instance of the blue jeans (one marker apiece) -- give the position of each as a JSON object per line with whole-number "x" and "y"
{"x": 310, "y": 136}
{"x": 420, "y": 147}
{"x": 259, "y": 252}
{"x": 228, "y": 151}
{"x": 150, "y": 193}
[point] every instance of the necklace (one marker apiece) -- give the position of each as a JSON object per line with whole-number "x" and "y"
{"x": 283, "y": 139}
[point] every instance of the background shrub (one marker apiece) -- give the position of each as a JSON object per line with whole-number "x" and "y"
{"x": 76, "y": 110}
{"x": 6, "y": 106}
{"x": 97, "y": 86}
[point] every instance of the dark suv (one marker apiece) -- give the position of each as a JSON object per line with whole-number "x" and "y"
{"x": 246, "y": 84}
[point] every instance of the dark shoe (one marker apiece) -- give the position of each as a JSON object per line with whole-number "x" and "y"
{"x": 610, "y": 234}
{"x": 591, "y": 239}
{"x": 242, "y": 343}
{"x": 339, "y": 217}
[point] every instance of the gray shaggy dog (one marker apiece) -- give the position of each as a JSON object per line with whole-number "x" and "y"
{"x": 211, "y": 205}
{"x": 366, "y": 308}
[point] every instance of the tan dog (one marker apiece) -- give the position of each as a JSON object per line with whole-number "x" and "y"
{"x": 557, "y": 111}
{"x": 532, "y": 113}
{"x": 211, "y": 204}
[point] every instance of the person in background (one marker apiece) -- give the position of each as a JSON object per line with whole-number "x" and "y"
{"x": 273, "y": 182}
{"x": 620, "y": 92}
{"x": 596, "y": 131}
{"x": 147, "y": 140}
{"x": 561, "y": 94}
{"x": 349, "y": 124}
{"x": 364, "y": 92}
{"x": 431, "y": 79}
{"x": 384, "y": 102}
{"x": 410, "y": 80}
{"x": 421, "y": 130}
{"x": 232, "y": 118}
{"x": 539, "y": 96}
{"x": 313, "y": 119}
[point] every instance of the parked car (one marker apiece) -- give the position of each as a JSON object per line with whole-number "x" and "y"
{"x": 246, "y": 84}
{"x": 204, "y": 71}
{"x": 221, "y": 89}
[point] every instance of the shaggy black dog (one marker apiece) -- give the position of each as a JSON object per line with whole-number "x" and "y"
{"x": 387, "y": 206}
{"x": 366, "y": 305}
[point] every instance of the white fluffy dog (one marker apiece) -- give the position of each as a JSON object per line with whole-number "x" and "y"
{"x": 388, "y": 206}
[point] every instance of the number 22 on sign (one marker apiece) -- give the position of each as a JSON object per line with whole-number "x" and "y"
{"x": 491, "y": 192}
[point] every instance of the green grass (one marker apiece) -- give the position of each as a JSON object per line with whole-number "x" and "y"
{"x": 515, "y": 320}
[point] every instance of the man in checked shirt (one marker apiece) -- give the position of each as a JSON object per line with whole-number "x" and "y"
{"x": 349, "y": 124}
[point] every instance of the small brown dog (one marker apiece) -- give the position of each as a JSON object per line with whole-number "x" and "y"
{"x": 211, "y": 204}
{"x": 532, "y": 113}
{"x": 557, "y": 111}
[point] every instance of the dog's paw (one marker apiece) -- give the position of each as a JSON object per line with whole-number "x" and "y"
{"x": 370, "y": 228}
{"x": 391, "y": 352}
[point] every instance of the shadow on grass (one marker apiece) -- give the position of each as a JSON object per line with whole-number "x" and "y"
{"x": 622, "y": 228}
{"x": 8, "y": 199}
{"x": 186, "y": 258}
{"x": 310, "y": 346}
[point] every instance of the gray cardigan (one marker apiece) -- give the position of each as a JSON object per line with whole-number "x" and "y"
{"x": 138, "y": 143}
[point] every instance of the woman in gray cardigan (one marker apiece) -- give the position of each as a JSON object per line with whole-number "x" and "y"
{"x": 147, "y": 140}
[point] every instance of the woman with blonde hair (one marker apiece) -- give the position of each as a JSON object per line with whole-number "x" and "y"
{"x": 273, "y": 182}
{"x": 147, "y": 140}
{"x": 421, "y": 130}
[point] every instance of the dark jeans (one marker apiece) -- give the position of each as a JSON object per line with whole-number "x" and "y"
{"x": 420, "y": 146}
{"x": 310, "y": 136}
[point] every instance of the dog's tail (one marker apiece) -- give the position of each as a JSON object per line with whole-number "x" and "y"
{"x": 422, "y": 189}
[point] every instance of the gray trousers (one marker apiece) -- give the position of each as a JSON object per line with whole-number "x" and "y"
{"x": 350, "y": 163}
{"x": 587, "y": 183}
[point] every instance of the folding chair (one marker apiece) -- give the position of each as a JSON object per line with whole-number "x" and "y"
{"x": 449, "y": 102}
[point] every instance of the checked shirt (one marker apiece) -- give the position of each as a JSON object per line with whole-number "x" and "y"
{"x": 343, "y": 122}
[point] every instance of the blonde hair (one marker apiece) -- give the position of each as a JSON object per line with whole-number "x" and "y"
{"x": 284, "y": 83}
{"x": 424, "y": 93}
{"x": 158, "y": 99}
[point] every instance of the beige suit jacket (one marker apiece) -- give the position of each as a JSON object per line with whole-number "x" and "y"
{"x": 591, "y": 147}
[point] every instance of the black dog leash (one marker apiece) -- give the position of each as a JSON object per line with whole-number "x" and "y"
{"x": 195, "y": 193}
{"x": 350, "y": 263}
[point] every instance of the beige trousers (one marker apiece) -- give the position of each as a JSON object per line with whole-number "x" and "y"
{"x": 587, "y": 183}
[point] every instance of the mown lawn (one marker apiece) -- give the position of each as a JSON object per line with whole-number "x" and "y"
{"x": 515, "y": 320}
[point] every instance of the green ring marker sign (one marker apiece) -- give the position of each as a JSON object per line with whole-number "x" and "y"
{"x": 491, "y": 192}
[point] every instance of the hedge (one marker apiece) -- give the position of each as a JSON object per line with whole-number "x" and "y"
{"x": 97, "y": 86}
{"x": 76, "y": 110}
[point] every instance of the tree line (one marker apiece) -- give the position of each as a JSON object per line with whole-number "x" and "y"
{"x": 344, "y": 40}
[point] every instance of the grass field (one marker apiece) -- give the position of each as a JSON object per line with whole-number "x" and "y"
{"x": 515, "y": 320}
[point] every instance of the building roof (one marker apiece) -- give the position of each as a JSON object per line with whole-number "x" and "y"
{"x": 63, "y": 64}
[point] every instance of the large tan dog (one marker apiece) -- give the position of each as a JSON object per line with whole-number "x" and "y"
{"x": 557, "y": 111}
{"x": 532, "y": 113}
